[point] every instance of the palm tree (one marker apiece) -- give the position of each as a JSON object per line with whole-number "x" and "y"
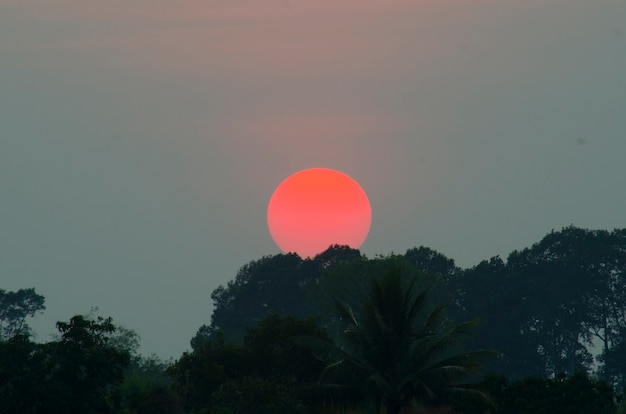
{"x": 396, "y": 353}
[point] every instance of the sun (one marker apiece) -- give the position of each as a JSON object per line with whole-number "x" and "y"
{"x": 316, "y": 208}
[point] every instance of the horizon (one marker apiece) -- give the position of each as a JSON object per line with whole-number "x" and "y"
{"x": 141, "y": 141}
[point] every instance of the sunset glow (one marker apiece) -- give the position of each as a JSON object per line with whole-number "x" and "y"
{"x": 316, "y": 208}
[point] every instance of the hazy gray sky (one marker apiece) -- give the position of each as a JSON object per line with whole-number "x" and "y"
{"x": 140, "y": 140}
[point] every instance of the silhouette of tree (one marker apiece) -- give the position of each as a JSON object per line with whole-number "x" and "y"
{"x": 277, "y": 284}
{"x": 79, "y": 373}
{"x": 546, "y": 305}
{"x": 272, "y": 360}
{"x": 397, "y": 352}
{"x": 15, "y": 307}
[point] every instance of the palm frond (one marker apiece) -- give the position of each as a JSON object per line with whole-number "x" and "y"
{"x": 451, "y": 338}
{"x": 395, "y": 353}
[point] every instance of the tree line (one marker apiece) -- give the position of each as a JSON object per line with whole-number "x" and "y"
{"x": 542, "y": 331}
{"x": 556, "y": 307}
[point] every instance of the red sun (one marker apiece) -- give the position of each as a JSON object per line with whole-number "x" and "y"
{"x": 316, "y": 208}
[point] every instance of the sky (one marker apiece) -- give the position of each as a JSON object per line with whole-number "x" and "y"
{"x": 141, "y": 140}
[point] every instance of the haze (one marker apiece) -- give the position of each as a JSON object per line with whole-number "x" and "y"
{"x": 140, "y": 140}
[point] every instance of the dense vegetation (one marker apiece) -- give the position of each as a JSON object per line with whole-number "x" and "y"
{"x": 345, "y": 333}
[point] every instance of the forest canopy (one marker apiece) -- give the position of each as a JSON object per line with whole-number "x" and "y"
{"x": 558, "y": 306}
{"x": 543, "y": 330}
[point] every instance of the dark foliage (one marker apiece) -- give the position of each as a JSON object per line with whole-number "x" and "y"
{"x": 273, "y": 359}
{"x": 545, "y": 306}
{"x": 79, "y": 373}
{"x": 276, "y": 347}
{"x": 400, "y": 352}
{"x": 147, "y": 389}
{"x": 273, "y": 284}
{"x": 197, "y": 374}
{"x": 255, "y": 395}
{"x": 577, "y": 394}
{"x": 15, "y": 307}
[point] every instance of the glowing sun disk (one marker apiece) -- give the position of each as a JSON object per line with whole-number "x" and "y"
{"x": 318, "y": 207}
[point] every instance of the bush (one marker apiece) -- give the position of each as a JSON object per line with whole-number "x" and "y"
{"x": 255, "y": 395}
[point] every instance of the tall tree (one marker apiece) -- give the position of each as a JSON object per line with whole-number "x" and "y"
{"x": 489, "y": 291}
{"x": 79, "y": 373}
{"x": 87, "y": 367}
{"x": 277, "y": 284}
{"x": 351, "y": 282}
{"x": 431, "y": 261}
{"x": 398, "y": 352}
{"x": 548, "y": 305}
{"x": 268, "y": 285}
{"x": 613, "y": 359}
{"x": 15, "y": 307}
{"x": 605, "y": 258}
